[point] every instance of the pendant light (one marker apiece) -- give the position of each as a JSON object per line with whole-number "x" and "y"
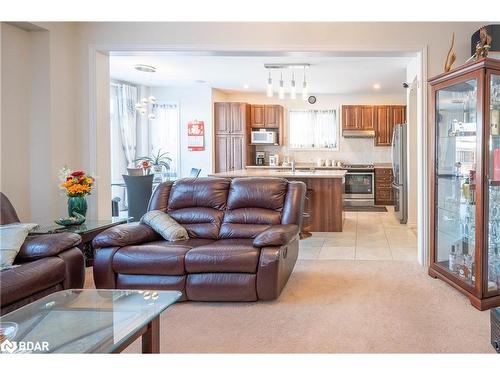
{"x": 293, "y": 90}
{"x": 304, "y": 87}
{"x": 281, "y": 90}
{"x": 269, "y": 92}
{"x": 146, "y": 106}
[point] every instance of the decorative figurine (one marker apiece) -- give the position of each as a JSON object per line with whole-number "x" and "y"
{"x": 483, "y": 46}
{"x": 451, "y": 57}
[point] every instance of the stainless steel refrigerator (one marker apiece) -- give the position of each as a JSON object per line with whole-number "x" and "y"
{"x": 400, "y": 172}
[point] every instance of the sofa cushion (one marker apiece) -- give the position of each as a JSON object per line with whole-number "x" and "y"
{"x": 154, "y": 258}
{"x": 164, "y": 225}
{"x": 262, "y": 192}
{"x": 254, "y": 204}
{"x": 198, "y": 205}
{"x": 200, "y": 222}
{"x": 30, "y": 278}
{"x": 12, "y": 238}
{"x": 226, "y": 255}
{"x": 207, "y": 192}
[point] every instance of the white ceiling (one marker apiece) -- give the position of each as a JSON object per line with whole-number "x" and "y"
{"x": 327, "y": 74}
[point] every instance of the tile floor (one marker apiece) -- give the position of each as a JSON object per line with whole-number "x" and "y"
{"x": 366, "y": 236}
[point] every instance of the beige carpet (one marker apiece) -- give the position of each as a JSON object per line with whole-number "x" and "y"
{"x": 334, "y": 307}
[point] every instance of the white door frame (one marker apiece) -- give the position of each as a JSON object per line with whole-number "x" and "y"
{"x": 96, "y": 119}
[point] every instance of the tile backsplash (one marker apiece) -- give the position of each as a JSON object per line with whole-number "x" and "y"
{"x": 353, "y": 150}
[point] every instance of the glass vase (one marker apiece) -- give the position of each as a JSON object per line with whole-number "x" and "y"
{"x": 78, "y": 205}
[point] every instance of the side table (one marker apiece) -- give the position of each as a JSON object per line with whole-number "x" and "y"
{"x": 88, "y": 231}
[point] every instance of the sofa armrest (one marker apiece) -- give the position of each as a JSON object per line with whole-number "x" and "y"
{"x": 277, "y": 235}
{"x": 124, "y": 235}
{"x": 47, "y": 245}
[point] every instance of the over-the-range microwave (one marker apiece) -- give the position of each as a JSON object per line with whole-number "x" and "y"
{"x": 264, "y": 137}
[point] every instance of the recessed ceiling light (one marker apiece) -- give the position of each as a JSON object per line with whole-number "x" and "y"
{"x": 376, "y": 86}
{"x": 246, "y": 86}
{"x": 145, "y": 68}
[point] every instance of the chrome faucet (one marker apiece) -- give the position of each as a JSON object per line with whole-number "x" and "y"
{"x": 293, "y": 166}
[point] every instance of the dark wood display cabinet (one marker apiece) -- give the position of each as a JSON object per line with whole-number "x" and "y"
{"x": 465, "y": 181}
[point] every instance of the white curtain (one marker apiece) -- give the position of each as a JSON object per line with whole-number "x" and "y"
{"x": 164, "y": 133}
{"x": 313, "y": 129}
{"x": 126, "y": 116}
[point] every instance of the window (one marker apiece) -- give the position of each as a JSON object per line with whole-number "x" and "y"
{"x": 316, "y": 129}
{"x": 164, "y": 133}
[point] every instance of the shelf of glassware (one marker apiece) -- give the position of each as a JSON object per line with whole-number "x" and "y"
{"x": 455, "y": 229}
{"x": 494, "y": 188}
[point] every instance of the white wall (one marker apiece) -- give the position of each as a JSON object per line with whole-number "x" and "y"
{"x": 16, "y": 86}
{"x": 195, "y": 103}
{"x": 39, "y": 128}
{"x": 350, "y": 150}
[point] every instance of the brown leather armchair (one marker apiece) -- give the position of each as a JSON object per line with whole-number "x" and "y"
{"x": 243, "y": 245}
{"x": 46, "y": 264}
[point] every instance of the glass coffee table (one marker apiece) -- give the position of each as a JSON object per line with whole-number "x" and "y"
{"x": 88, "y": 231}
{"x": 87, "y": 321}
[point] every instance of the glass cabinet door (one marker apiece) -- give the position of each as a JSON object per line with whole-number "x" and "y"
{"x": 493, "y": 202}
{"x": 455, "y": 189}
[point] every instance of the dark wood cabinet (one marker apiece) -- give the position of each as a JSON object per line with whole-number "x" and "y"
{"x": 367, "y": 118}
{"x": 385, "y": 117}
{"x": 384, "y": 194}
{"x": 378, "y": 118}
{"x": 357, "y": 117}
{"x": 258, "y": 116}
{"x": 232, "y": 125}
{"x": 266, "y": 116}
{"x": 273, "y": 115}
{"x": 351, "y": 117}
{"x": 464, "y": 147}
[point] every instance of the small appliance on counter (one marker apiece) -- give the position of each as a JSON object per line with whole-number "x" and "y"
{"x": 265, "y": 137}
{"x": 274, "y": 160}
{"x": 260, "y": 158}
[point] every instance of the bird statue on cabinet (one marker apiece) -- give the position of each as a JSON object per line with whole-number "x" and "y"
{"x": 451, "y": 57}
{"x": 483, "y": 45}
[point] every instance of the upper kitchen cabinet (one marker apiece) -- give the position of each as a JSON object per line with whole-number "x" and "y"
{"x": 350, "y": 116}
{"x": 357, "y": 120}
{"x": 385, "y": 117}
{"x": 231, "y": 118}
{"x": 266, "y": 116}
{"x": 257, "y": 116}
{"x": 273, "y": 115}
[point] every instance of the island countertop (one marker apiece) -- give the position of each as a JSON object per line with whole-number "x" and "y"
{"x": 284, "y": 173}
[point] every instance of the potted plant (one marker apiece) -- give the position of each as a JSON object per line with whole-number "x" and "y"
{"x": 157, "y": 161}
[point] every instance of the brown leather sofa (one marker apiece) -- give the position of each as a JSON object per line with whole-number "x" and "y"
{"x": 47, "y": 264}
{"x": 243, "y": 245}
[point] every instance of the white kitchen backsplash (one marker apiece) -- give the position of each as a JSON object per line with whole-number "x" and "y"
{"x": 352, "y": 150}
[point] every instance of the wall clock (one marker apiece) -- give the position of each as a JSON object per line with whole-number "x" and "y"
{"x": 311, "y": 99}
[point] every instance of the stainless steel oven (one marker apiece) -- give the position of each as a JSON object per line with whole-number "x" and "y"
{"x": 359, "y": 187}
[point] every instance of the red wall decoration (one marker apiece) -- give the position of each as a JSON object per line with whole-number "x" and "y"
{"x": 196, "y": 135}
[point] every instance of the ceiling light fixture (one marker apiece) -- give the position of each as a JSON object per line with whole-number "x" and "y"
{"x": 376, "y": 86}
{"x": 305, "y": 94}
{"x": 293, "y": 85}
{"x": 146, "y": 106}
{"x": 293, "y": 90}
{"x": 281, "y": 90}
{"x": 269, "y": 91}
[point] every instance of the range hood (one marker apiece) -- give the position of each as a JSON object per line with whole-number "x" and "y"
{"x": 358, "y": 133}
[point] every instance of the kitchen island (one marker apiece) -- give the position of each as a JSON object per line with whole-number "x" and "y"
{"x": 324, "y": 197}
